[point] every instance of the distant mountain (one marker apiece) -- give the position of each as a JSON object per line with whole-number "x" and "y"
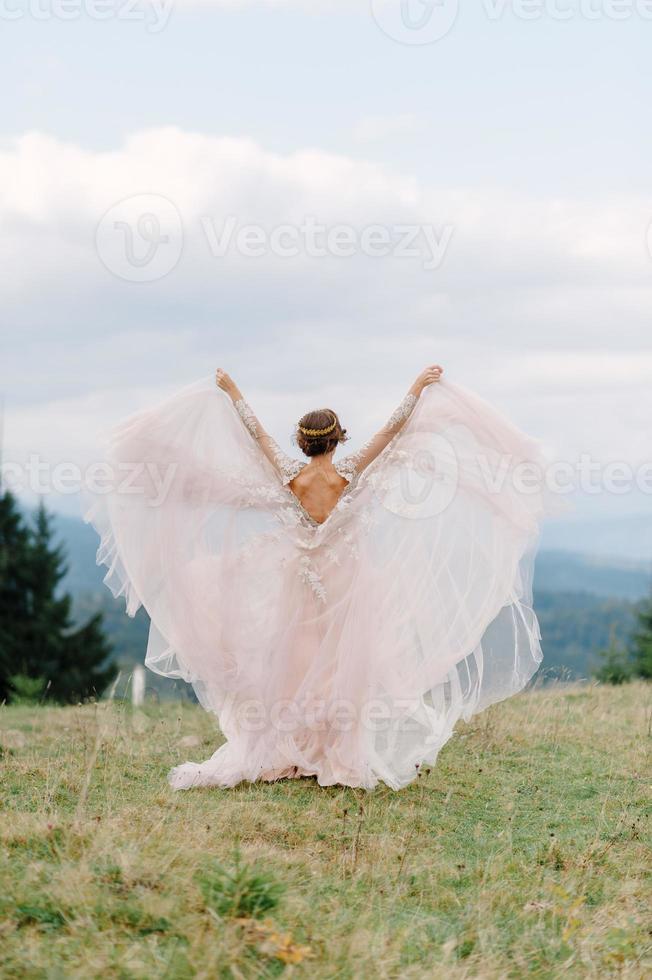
{"x": 581, "y": 600}
{"x": 622, "y": 538}
{"x": 81, "y": 541}
{"x": 575, "y": 626}
{"x": 566, "y": 571}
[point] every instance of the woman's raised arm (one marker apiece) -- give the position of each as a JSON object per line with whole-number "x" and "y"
{"x": 287, "y": 468}
{"x": 354, "y": 464}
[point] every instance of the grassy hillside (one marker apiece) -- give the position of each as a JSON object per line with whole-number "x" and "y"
{"x": 523, "y": 852}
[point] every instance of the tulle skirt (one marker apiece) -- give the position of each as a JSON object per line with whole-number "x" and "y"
{"x": 349, "y": 650}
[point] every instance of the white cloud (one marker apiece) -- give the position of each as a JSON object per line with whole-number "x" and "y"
{"x": 542, "y": 304}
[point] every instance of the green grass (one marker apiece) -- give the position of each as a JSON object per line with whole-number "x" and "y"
{"x": 524, "y": 852}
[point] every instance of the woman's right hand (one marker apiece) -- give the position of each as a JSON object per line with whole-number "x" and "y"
{"x": 428, "y": 376}
{"x": 227, "y": 384}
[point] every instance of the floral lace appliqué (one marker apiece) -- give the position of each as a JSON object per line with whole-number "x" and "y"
{"x": 288, "y": 468}
{"x": 403, "y": 411}
{"x": 349, "y": 466}
{"x": 308, "y": 574}
{"x": 247, "y": 416}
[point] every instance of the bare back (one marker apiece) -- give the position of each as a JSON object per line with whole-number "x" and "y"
{"x": 318, "y": 485}
{"x": 318, "y": 489}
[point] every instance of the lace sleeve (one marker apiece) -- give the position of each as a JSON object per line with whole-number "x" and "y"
{"x": 352, "y": 465}
{"x": 401, "y": 414}
{"x": 250, "y": 421}
{"x": 286, "y": 467}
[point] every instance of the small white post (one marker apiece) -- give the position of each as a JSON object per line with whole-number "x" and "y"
{"x": 138, "y": 686}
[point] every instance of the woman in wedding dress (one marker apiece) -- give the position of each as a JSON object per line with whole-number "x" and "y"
{"x": 338, "y": 616}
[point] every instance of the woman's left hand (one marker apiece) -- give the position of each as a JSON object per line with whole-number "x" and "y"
{"x": 428, "y": 376}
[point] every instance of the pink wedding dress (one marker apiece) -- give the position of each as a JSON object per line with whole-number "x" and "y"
{"x": 347, "y": 650}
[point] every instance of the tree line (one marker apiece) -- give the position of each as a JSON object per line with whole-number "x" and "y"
{"x": 44, "y": 654}
{"x": 624, "y": 661}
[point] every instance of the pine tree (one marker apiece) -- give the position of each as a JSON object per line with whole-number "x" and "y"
{"x": 51, "y": 620}
{"x": 74, "y": 661}
{"x": 82, "y": 671}
{"x": 641, "y": 645}
{"x": 616, "y": 666}
{"x": 38, "y": 638}
{"x": 15, "y": 598}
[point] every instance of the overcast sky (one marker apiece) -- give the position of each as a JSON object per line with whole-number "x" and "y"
{"x": 315, "y": 198}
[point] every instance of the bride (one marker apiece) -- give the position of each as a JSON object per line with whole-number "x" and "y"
{"x": 338, "y": 616}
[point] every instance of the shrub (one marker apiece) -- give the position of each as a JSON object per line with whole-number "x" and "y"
{"x": 26, "y": 690}
{"x": 616, "y": 667}
{"x": 245, "y": 891}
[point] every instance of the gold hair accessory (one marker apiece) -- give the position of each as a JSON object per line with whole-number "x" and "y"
{"x": 317, "y": 432}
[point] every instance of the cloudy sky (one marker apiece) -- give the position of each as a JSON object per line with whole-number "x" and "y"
{"x": 322, "y": 197}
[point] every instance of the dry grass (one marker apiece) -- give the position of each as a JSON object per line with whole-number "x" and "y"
{"x": 524, "y": 852}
